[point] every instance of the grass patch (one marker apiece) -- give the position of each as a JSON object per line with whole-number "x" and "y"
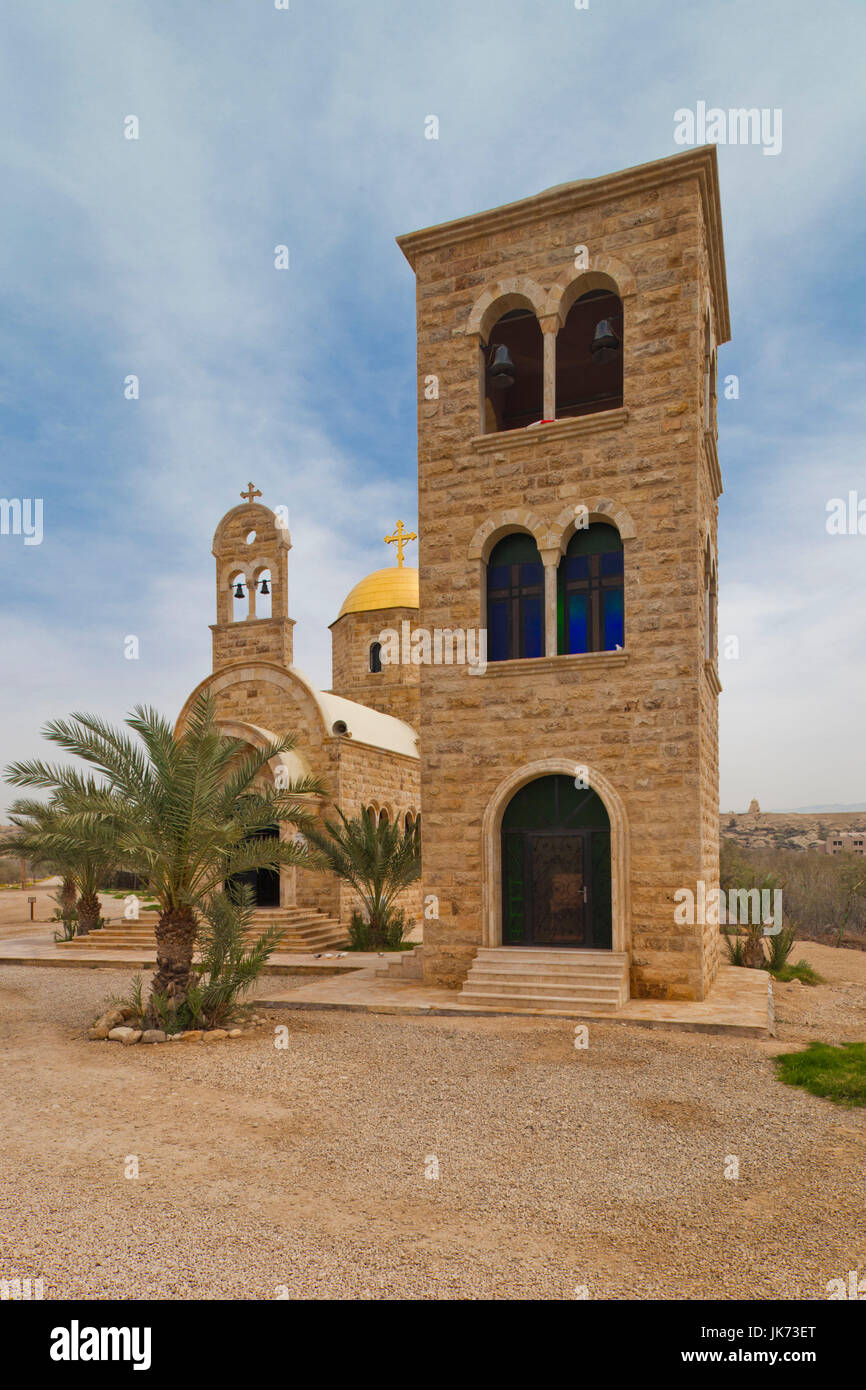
{"x": 838, "y": 1073}
{"x": 801, "y": 971}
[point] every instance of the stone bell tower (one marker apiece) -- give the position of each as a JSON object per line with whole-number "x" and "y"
{"x": 568, "y": 482}
{"x": 251, "y": 549}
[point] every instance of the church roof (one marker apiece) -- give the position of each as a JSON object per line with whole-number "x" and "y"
{"x": 395, "y": 587}
{"x": 365, "y": 724}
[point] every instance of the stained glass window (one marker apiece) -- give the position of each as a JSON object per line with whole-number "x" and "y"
{"x": 590, "y": 598}
{"x": 515, "y": 599}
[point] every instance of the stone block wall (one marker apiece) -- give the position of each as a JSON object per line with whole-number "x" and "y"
{"x": 394, "y": 689}
{"x": 641, "y": 720}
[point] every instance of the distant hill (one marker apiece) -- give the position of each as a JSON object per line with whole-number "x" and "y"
{"x": 820, "y": 810}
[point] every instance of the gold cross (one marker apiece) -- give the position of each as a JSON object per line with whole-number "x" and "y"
{"x": 252, "y": 493}
{"x": 400, "y": 538}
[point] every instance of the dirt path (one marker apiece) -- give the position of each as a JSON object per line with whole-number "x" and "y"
{"x": 303, "y": 1169}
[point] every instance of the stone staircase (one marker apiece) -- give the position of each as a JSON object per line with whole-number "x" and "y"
{"x": 518, "y": 977}
{"x": 306, "y": 930}
{"x": 408, "y": 965}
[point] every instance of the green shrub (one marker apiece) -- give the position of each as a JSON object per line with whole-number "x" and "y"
{"x": 362, "y": 937}
{"x": 734, "y": 945}
{"x": 227, "y": 968}
{"x": 780, "y": 946}
{"x": 802, "y": 971}
{"x": 838, "y": 1073}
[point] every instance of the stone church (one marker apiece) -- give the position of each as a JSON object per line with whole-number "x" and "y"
{"x": 568, "y": 484}
{"x": 359, "y": 739}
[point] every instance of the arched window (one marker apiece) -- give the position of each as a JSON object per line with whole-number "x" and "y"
{"x": 590, "y": 602}
{"x": 376, "y": 657}
{"x": 589, "y": 356}
{"x": 710, "y": 607}
{"x": 384, "y": 818}
{"x": 515, "y": 599}
{"x": 513, "y": 366}
{"x": 710, "y": 387}
{"x": 410, "y": 820}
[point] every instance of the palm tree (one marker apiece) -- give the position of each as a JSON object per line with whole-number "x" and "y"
{"x": 379, "y": 860}
{"x": 42, "y": 836}
{"x": 187, "y": 812}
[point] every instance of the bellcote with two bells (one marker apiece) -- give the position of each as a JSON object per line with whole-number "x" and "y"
{"x": 251, "y": 546}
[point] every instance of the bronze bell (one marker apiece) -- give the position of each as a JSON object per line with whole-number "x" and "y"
{"x": 239, "y": 591}
{"x": 265, "y": 589}
{"x": 605, "y": 343}
{"x": 500, "y": 368}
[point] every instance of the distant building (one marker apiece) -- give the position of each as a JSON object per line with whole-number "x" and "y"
{"x": 843, "y": 843}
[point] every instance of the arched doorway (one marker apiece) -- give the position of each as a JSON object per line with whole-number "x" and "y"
{"x": 556, "y": 866}
{"x": 265, "y": 883}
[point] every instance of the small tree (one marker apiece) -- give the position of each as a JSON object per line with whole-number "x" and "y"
{"x": 185, "y": 811}
{"x": 378, "y": 859}
{"x": 42, "y": 836}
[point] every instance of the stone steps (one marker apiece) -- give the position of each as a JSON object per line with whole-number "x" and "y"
{"x": 547, "y": 977}
{"x": 305, "y": 930}
{"x": 408, "y": 965}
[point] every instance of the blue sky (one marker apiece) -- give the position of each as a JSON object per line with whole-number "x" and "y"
{"x": 306, "y": 127}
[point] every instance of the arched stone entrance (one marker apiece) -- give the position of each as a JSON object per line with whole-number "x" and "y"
{"x": 559, "y": 839}
{"x": 555, "y": 845}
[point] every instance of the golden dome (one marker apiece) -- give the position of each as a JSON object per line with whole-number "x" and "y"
{"x": 395, "y": 587}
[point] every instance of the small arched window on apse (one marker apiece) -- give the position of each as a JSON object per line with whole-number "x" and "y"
{"x": 589, "y": 355}
{"x": 409, "y": 821}
{"x": 590, "y": 601}
{"x": 515, "y": 599}
{"x": 384, "y": 818}
{"x": 376, "y": 657}
{"x": 513, "y": 367}
{"x": 240, "y": 598}
{"x": 263, "y": 593}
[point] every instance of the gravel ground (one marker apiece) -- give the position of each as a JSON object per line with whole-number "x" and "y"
{"x": 303, "y": 1170}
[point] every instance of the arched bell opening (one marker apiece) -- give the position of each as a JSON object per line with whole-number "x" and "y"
{"x": 240, "y": 597}
{"x": 263, "y": 595}
{"x": 513, "y": 372}
{"x": 589, "y": 355}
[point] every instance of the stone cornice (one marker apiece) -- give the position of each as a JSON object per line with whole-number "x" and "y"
{"x": 599, "y": 423}
{"x": 700, "y": 163}
{"x": 577, "y": 661}
{"x": 711, "y": 454}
